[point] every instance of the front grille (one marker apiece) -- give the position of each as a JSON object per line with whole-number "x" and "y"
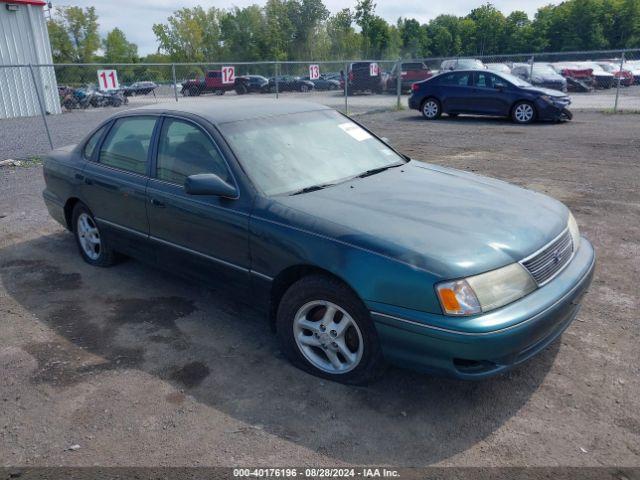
{"x": 545, "y": 264}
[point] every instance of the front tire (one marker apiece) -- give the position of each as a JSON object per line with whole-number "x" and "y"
{"x": 523, "y": 113}
{"x": 431, "y": 109}
{"x": 93, "y": 247}
{"x": 325, "y": 329}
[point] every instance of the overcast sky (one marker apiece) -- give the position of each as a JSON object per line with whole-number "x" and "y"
{"x": 136, "y": 17}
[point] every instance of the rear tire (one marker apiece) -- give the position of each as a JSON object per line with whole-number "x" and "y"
{"x": 523, "y": 113}
{"x": 431, "y": 109}
{"x": 324, "y": 329}
{"x": 91, "y": 244}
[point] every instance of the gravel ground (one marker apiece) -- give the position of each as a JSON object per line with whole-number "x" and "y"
{"x": 138, "y": 367}
{"x": 26, "y": 137}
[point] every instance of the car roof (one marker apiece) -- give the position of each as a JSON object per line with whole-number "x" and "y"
{"x": 219, "y": 111}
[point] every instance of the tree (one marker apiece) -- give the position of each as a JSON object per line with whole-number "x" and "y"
{"x": 191, "y": 35}
{"x": 73, "y": 33}
{"x": 488, "y": 34}
{"x": 306, "y": 17}
{"x": 345, "y": 42}
{"x": 117, "y": 49}
{"x": 414, "y": 38}
{"x": 517, "y": 32}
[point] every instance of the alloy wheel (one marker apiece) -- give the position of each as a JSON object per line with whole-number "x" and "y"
{"x": 89, "y": 236}
{"x": 430, "y": 109}
{"x": 328, "y": 337}
{"x": 524, "y": 113}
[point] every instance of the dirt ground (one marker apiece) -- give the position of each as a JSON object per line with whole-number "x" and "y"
{"x": 137, "y": 367}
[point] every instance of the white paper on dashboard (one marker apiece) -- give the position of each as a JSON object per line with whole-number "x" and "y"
{"x": 355, "y": 131}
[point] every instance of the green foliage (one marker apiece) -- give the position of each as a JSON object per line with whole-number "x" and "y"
{"x": 73, "y": 33}
{"x": 117, "y": 49}
{"x": 304, "y": 29}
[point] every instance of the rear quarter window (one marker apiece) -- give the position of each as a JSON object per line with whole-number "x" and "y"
{"x": 92, "y": 143}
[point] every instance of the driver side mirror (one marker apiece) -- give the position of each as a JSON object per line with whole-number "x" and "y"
{"x": 209, "y": 184}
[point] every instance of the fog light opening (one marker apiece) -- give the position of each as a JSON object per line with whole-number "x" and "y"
{"x": 465, "y": 365}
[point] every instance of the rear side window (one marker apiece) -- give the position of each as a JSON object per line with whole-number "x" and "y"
{"x": 186, "y": 150}
{"x": 92, "y": 143}
{"x": 127, "y": 144}
{"x": 458, "y": 79}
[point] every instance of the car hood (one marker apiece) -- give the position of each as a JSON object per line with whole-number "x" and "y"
{"x": 546, "y": 91}
{"x": 447, "y": 222}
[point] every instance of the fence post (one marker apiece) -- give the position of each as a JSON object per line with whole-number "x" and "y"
{"x": 345, "y": 77}
{"x": 531, "y": 60}
{"x": 276, "y": 77}
{"x": 398, "y": 83}
{"x": 615, "y": 105}
{"x": 41, "y": 105}
{"x": 175, "y": 84}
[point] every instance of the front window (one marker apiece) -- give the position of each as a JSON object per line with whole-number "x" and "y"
{"x": 289, "y": 153}
{"x": 186, "y": 150}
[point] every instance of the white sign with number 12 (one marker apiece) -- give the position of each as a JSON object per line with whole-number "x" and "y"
{"x": 228, "y": 75}
{"x": 108, "y": 80}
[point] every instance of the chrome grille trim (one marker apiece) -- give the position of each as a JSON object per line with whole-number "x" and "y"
{"x": 544, "y": 264}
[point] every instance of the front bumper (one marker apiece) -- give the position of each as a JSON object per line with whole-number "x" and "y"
{"x": 487, "y": 344}
{"x": 558, "y": 110}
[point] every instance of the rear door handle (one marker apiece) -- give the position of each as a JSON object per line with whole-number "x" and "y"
{"x": 157, "y": 203}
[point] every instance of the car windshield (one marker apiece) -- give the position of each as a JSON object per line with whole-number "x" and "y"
{"x": 464, "y": 63}
{"x": 413, "y": 66}
{"x": 594, "y": 66}
{"x": 543, "y": 70}
{"x": 289, "y": 153}
{"x": 518, "y": 82}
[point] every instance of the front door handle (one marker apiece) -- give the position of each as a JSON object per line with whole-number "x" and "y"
{"x": 157, "y": 203}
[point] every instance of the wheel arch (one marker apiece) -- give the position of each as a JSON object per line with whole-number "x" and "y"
{"x": 68, "y": 211}
{"x": 287, "y": 277}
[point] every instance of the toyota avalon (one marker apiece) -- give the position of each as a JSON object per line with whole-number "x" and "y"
{"x": 357, "y": 254}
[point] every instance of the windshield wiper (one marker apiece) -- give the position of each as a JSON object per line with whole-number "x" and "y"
{"x": 312, "y": 188}
{"x": 373, "y": 171}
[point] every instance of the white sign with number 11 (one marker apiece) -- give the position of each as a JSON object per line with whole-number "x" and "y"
{"x": 108, "y": 80}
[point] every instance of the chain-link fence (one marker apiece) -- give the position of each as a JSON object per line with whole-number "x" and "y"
{"x": 48, "y": 106}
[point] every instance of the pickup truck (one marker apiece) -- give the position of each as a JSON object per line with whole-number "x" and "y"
{"x": 411, "y": 73}
{"x": 212, "y": 83}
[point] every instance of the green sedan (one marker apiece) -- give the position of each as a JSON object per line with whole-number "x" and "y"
{"x": 358, "y": 255}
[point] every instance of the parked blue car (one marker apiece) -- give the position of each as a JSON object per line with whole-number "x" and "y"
{"x": 482, "y": 92}
{"x": 358, "y": 254}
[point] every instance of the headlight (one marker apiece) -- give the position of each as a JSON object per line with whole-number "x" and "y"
{"x": 485, "y": 292}
{"x": 574, "y": 231}
{"x": 546, "y": 98}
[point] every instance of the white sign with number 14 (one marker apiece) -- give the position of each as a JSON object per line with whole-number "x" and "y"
{"x": 108, "y": 80}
